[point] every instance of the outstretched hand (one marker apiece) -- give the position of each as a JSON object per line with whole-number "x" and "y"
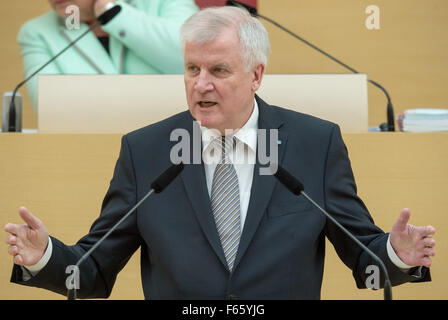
{"x": 413, "y": 245}
{"x": 27, "y": 242}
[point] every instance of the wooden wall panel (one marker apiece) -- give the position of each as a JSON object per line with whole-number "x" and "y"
{"x": 408, "y": 55}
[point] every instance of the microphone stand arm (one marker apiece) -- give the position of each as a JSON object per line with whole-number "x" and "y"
{"x": 387, "y": 283}
{"x": 390, "y": 126}
{"x": 12, "y": 105}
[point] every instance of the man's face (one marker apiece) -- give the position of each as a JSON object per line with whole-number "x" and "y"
{"x": 220, "y": 92}
{"x": 86, "y": 11}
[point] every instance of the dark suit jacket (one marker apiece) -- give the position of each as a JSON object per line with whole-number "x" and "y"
{"x": 281, "y": 252}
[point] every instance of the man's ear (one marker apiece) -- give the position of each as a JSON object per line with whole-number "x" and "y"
{"x": 257, "y": 73}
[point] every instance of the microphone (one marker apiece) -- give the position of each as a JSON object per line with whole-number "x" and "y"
{"x": 102, "y": 19}
{"x": 389, "y": 126}
{"x": 157, "y": 186}
{"x": 109, "y": 14}
{"x": 297, "y": 188}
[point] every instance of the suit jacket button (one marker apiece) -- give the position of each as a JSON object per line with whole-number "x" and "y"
{"x": 122, "y": 33}
{"x": 232, "y": 297}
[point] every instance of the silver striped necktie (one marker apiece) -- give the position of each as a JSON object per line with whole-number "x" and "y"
{"x": 225, "y": 202}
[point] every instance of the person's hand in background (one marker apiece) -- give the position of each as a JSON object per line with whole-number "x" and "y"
{"x": 100, "y": 6}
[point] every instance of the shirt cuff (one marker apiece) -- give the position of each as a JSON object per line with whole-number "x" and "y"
{"x": 34, "y": 269}
{"x": 395, "y": 259}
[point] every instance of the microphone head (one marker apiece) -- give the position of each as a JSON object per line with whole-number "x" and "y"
{"x": 108, "y": 15}
{"x": 166, "y": 177}
{"x": 289, "y": 181}
{"x": 252, "y": 10}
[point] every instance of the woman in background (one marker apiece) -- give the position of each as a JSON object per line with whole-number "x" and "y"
{"x": 142, "y": 39}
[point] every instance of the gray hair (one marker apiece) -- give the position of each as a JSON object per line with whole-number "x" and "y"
{"x": 207, "y": 24}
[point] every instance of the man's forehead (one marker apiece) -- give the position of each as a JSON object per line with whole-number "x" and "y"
{"x": 212, "y": 54}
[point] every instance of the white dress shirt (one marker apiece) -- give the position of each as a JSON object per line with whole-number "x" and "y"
{"x": 243, "y": 158}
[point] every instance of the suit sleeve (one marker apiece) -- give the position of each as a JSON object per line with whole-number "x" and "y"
{"x": 97, "y": 273}
{"x": 154, "y": 38}
{"x": 342, "y": 201}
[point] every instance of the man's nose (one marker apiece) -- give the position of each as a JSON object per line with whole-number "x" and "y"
{"x": 203, "y": 83}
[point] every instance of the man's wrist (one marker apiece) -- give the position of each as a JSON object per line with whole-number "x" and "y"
{"x": 395, "y": 259}
{"x": 34, "y": 269}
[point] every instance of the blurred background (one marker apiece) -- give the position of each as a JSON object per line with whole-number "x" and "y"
{"x": 408, "y": 55}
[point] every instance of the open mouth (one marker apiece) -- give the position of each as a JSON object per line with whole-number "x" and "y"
{"x": 207, "y": 104}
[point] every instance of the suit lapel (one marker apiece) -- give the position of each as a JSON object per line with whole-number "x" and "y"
{"x": 117, "y": 52}
{"x": 90, "y": 49}
{"x": 262, "y": 185}
{"x": 117, "y": 49}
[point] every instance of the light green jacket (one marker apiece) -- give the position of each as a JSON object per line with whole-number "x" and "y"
{"x": 144, "y": 39}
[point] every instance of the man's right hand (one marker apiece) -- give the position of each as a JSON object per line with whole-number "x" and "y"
{"x": 27, "y": 242}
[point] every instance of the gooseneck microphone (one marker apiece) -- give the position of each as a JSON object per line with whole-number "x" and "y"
{"x": 297, "y": 188}
{"x": 157, "y": 186}
{"x": 104, "y": 18}
{"x": 389, "y": 126}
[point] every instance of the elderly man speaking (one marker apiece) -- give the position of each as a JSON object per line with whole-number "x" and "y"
{"x": 223, "y": 230}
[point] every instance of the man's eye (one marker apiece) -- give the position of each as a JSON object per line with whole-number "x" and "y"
{"x": 220, "y": 70}
{"x": 192, "y": 68}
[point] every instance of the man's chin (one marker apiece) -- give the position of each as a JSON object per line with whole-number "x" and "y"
{"x": 209, "y": 124}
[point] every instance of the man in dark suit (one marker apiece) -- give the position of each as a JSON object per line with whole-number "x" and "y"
{"x": 224, "y": 230}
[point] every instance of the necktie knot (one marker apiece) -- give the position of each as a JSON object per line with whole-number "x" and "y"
{"x": 224, "y": 145}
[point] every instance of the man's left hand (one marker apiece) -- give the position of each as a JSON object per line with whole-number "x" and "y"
{"x": 413, "y": 245}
